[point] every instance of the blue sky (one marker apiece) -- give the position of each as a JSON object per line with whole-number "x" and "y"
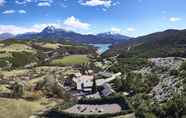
{"x": 129, "y": 17}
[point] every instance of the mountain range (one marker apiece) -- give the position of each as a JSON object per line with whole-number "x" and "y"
{"x": 160, "y": 44}
{"x": 4, "y": 36}
{"x": 55, "y": 34}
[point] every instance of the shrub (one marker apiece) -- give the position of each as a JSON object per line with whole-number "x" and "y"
{"x": 183, "y": 66}
{"x": 174, "y": 72}
{"x": 35, "y": 95}
{"x": 20, "y": 59}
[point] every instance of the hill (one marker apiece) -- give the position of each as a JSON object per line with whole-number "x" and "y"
{"x": 26, "y": 54}
{"x": 161, "y": 44}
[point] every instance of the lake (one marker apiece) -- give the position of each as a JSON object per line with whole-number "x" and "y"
{"x": 102, "y": 47}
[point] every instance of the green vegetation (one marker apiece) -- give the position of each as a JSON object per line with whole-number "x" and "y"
{"x": 136, "y": 83}
{"x": 11, "y": 108}
{"x": 51, "y": 45}
{"x": 18, "y": 90}
{"x": 126, "y": 116}
{"x": 22, "y": 58}
{"x": 146, "y": 108}
{"x": 115, "y": 99}
{"x": 170, "y": 43}
{"x": 127, "y": 64}
{"x": 71, "y": 60}
{"x": 17, "y": 47}
{"x": 27, "y": 78}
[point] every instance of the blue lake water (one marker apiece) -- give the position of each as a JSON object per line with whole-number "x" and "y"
{"x": 102, "y": 47}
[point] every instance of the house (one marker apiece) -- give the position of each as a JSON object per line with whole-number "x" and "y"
{"x": 84, "y": 83}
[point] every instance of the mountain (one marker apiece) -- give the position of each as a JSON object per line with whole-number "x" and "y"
{"x": 161, "y": 44}
{"x": 111, "y": 35}
{"x": 52, "y": 33}
{"x": 4, "y": 36}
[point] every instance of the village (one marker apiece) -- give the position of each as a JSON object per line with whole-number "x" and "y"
{"x": 89, "y": 85}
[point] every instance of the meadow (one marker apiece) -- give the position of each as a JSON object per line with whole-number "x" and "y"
{"x": 71, "y": 60}
{"x": 12, "y": 108}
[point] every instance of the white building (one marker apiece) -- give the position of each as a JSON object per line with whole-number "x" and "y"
{"x": 85, "y": 82}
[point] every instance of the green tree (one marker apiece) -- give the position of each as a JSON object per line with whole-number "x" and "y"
{"x": 18, "y": 90}
{"x": 94, "y": 86}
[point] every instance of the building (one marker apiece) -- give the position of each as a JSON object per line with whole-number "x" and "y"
{"x": 84, "y": 83}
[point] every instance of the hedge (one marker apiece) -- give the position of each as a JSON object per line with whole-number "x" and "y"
{"x": 118, "y": 99}
{"x": 62, "y": 114}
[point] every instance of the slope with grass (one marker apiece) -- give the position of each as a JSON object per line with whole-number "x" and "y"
{"x": 11, "y": 108}
{"x": 71, "y": 60}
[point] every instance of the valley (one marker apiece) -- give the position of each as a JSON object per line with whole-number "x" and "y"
{"x": 64, "y": 79}
{"x": 92, "y": 59}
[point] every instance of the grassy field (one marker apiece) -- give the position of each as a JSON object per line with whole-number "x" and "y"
{"x": 5, "y": 55}
{"x": 11, "y": 108}
{"x": 17, "y": 72}
{"x": 71, "y": 60}
{"x": 57, "y": 45}
{"x": 17, "y": 48}
{"x": 51, "y": 45}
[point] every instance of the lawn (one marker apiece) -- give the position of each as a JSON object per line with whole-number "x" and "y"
{"x": 71, "y": 60}
{"x": 11, "y": 108}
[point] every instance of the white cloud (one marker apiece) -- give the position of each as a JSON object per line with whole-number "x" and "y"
{"x": 22, "y": 2}
{"x": 74, "y": 23}
{"x": 130, "y": 29}
{"x": 115, "y": 30}
{"x": 71, "y": 23}
{"x": 40, "y": 3}
{"x": 14, "y": 29}
{"x": 116, "y": 3}
{"x": 9, "y": 12}
{"x": 44, "y": 4}
{"x": 105, "y": 3}
{"x": 174, "y": 19}
{"x": 40, "y": 27}
{"x": 104, "y": 9}
{"x": 2, "y": 2}
{"x": 22, "y": 11}
{"x": 50, "y": 1}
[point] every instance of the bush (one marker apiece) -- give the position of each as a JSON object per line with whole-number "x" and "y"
{"x": 20, "y": 59}
{"x": 58, "y": 111}
{"x": 36, "y": 95}
{"x": 118, "y": 99}
{"x": 183, "y": 66}
{"x": 174, "y": 72}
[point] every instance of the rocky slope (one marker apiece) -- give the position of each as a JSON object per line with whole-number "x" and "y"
{"x": 170, "y": 83}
